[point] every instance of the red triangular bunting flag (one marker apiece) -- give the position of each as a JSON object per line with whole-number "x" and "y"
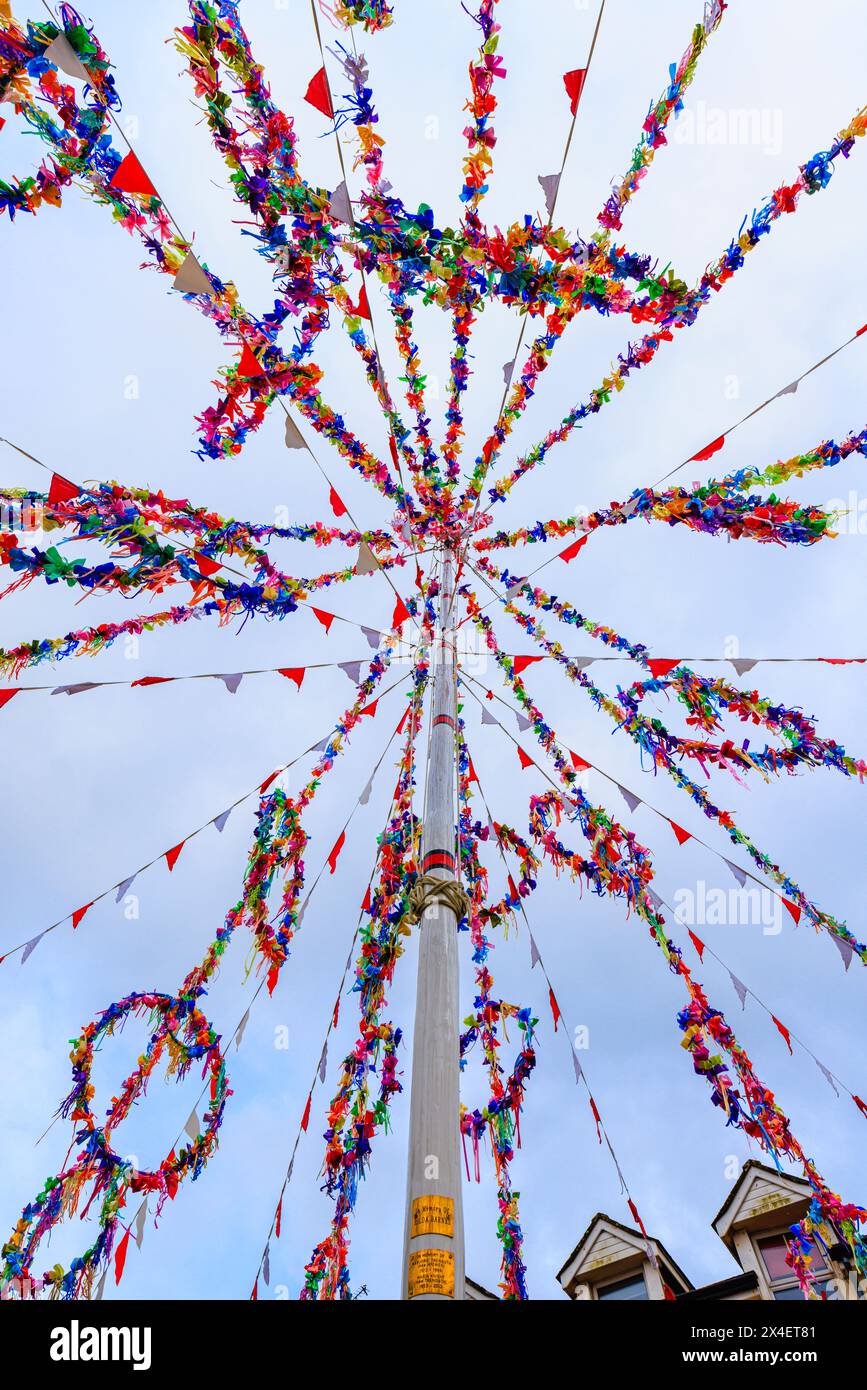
{"x": 130, "y": 177}
{"x": 173, "y": 855}
{"x": 120, "y": 1258}
{"x": 669, "y": 1293}
{"x": 273, "y": 975}
{"x": 278, "y": 1218}
{"x": 573, "y": 82}
{"x": 369, "y": 709}
{"x": 6, "y": 696}
{"x": 336, "y": 505}
{"x": 526, "y": 760}
{"x": 784, "y": 1030}
{"x": 698, "y": 944}
{"x": 206, "y": 565}
{"x": 393, "y": 450}
{"x": 708, "y": 451}
{"x": 471, "y": 773}
{"x": 636, "y": 1218}
{"x": 513, "y": 892}
{"x": 572, "y": 550}
{"x": 318, "y": 95}
{"x": 520, "y": 663}
{"x": 860, "y": 1104}
{"x": 680, "y": 834}
{"x": 152, "y": 680}
{"x": 362, "y": 308}
{"x": 794, "y": 910}
{"x": 597, "y": 1117}
{"x": 326, "y": 619}
{"x": 254, "y": 1296}
{"x": 78, "y": 915}
{"x": 61, "y": 490}
{"x": 268, "y": 780}
{"x": 249, "y": 364}
{"x": 365, "y": 906}
{"x": 305, "y": 1118}
{"x": 403, "y": 718}
{"x": 578, "y": 763}
{"x": 336, "y": 1015}
{"x": 333, "y": 856}
{"x": 400, "y": 614}
{"x": 555, "y": 1007}
{"x": 660, "y": 667}
{"x": 293, "y": 673}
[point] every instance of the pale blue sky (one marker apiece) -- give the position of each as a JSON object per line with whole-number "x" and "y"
{"x": 95, "y": 785}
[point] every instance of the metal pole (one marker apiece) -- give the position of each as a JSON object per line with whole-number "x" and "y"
{"x": 433, "y": 1264}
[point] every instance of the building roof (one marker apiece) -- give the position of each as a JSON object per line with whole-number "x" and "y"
{"x": 723, "y": 1288}
{"x": 749, "y": 1166}
{"x": 630, "y": 1231}
{"x": 481, "y": 1290}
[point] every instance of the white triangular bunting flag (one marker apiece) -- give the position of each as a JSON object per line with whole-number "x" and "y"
{"x": 738, "y": 873}
{"x": 220, "y": 820}
{"x": 629, "y": 507}
{"x": 828, "y": 1077}
{"x": 241, "y": 1029}
{"x": 787, "y": 390}
{"x": 323, "y": 1064}
{"x": 740, "y": 989}
{"x": 514, "y": 587}
{"x": 582, "y": 662}
{"x": 124, "y": 888}
{"x": 191, "y": 278}
{"x": 579, "y": 1074}
{"x": 100, "y": 1288}
{"x": 487, "y": 717}
{"x": 535, "y": 958}
{"x": 78, "y": 689}
{"x": 844, "y": 948}
{"x": 141, "y": 1217}
{"x": 373, "y": 637}
{"x": 365, "y": 795}
{"x": 743, "y": 664}
{"x": 367, "y": 562}
{"x": 632, "y": 801}
{"x": 352, "y": 669}
{"x": 322, "y": 745}
{"x": 293, "y": 436}
{"x": 192, "y": 1128}
{"x": 339, "y": 205}
{"x": 550, "y": 185}
{"x": 508, "y": 368}
{"x": 655, "y": 899}
{"x": 232, "y": 682}
{"x": 266, "y": 1264}
{"x": 523, "y": 722}
{"x": 61, "y": 53}
{"x": 31, "y": 947}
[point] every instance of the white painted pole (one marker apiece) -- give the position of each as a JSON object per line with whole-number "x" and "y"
{"x": 433, "y": 1264}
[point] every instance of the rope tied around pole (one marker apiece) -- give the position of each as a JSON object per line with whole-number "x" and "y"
{"x": 430, "y": 891}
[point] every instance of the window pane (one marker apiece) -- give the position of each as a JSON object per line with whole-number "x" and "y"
{"x": 785, "y": 1295}
{"x": 773, "y": 1250}
{"x": 626, "y": 1288}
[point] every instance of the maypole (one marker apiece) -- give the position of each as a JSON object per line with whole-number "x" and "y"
{"x": 433, "y": 1265}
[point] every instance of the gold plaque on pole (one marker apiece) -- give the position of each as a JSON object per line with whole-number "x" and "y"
{"x": 433, "y": 1216}
{"x": 431, "y": 1271}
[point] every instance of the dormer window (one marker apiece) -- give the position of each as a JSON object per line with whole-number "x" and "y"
{"x": 782, "y": 1280}
{"x": 632, "y": 1288}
